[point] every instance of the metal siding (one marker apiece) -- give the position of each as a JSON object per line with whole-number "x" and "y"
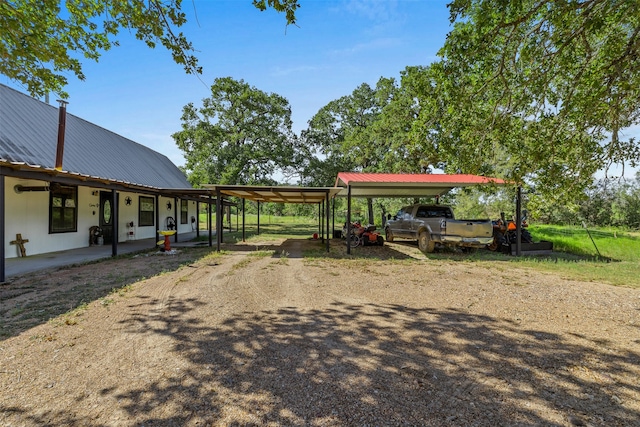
{"x": 28, "y": 133}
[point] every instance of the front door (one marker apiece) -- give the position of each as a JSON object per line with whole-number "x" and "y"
{"x": 106, "y": 216}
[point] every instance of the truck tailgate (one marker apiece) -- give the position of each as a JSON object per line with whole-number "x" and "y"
{"x": 472, "y": 228}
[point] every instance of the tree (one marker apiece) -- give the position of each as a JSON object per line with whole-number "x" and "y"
{"x": 551, "y": 83}
{"x": 42, "y": 41}
{"x": 409, "y": 123}
{"x": 342, "y": 133}
{"x": 240, "y": 135}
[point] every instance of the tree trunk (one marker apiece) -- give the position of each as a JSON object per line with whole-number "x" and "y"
{"x": 370, "y": 209}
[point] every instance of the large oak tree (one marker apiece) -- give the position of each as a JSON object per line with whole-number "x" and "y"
{"x": 551, "y": 84}
{"x": 240, "y": 135}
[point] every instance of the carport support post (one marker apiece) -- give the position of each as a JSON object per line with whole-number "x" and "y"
{"x": 218, "y": 220}
{"x": 2, "y": 231}
{"x": 258, "y": 217}
{"x": 322, "y": 223}
{"x": 114, "y": 218}
{"x": 348, "y": 220}
{"x": 243, "y": 217}
{"x": 320, "y": 218}
{"x": 519, "y": 222}
{"x": 333, "y": 214}
{"x": 209, "y": 221}
{"x": 327, "y": 204}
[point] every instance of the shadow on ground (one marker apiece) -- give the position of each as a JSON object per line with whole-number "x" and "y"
{"x": 348, "y": 365}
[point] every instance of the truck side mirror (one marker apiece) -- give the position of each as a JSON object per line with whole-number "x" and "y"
{"x": 388, "y": 216}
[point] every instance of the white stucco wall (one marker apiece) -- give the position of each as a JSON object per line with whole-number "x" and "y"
{"x": 27, "y": 213}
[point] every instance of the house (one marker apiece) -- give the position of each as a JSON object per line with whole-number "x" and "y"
{"x": 61, "y": 175}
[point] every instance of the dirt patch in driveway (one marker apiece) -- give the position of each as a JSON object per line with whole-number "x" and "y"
{"x": 261, "y": 335}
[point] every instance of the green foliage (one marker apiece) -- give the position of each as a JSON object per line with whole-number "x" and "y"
{"x": 549, "y": 83}
{"x": 44, "y": 41}
{"x": 240, "y": 135}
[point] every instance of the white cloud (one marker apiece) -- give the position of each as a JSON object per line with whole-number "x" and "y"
{"x": 376, "y": 44}
{"x": 280, "y": 71}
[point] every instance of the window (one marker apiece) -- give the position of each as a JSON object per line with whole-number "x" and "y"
{"x": 184, "y": 211}
{"x": 146, "y": 215}
{"x": 63, "y": 210}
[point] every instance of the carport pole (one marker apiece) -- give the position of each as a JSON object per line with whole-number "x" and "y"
{"x": 322, "y": 223}
{"x": 327, "y": 204}
{"x": 258, "y": 217}
{"x": 218, "y": 221}
{"x": 243, "y": 219}
{"x": 320, "y": 218}
{"x": 209, "y": 221}
{"x": 348, "y": 220}
{"x": 519, "y": 222}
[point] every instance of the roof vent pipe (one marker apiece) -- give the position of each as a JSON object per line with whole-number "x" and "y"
{"x": 62, "y": 119}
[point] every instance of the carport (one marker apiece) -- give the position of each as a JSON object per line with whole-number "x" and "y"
{"x": 275, "y": 194}
{"x": 355, "y": 184}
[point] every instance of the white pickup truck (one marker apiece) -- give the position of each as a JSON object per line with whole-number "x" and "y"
{"x": 435, "y": 225}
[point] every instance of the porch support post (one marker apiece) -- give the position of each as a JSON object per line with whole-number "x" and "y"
{"x": 155, "y": 243}
{"x": 2, "y": 230}
{"x": 243, "y": 218}
{"x": 198, "y": 219}
{"x": 348, "y": 219}
{"x": 115, "y": 215}
{"x": 258, "y": 217}
{"x": 175, "y": 218}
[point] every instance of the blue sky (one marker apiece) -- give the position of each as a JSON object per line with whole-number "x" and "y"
{"x": 337, "y": 45}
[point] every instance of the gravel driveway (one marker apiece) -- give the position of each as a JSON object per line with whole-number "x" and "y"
{"x": 269, "y": 338}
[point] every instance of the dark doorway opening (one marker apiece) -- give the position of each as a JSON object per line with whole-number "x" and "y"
{"x": 106, "y": 216}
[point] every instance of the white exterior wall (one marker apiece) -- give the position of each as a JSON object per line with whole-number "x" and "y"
{"x": 27, "y": 213}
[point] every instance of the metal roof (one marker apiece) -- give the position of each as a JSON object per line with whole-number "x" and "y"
{"x": 407, "y": 185}
{"x": 275, "y": 194}
{"x": 28, "y": 138}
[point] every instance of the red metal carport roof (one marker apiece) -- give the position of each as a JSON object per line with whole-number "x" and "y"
{"x": 407, "y": 185}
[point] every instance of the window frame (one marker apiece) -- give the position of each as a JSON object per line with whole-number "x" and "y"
{"x": 184, "y": 211}
{"x": 144, "y": 200}
{"x": 56, "y": 228}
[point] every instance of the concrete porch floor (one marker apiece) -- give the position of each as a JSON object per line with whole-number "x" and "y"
{"x": 32, "y": 263}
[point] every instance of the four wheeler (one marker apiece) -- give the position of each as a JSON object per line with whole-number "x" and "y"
{"x": 363, "y": 235}
{"x": 504, "y": 232}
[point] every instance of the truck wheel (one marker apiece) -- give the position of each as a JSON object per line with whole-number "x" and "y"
{"x": 389, "y": 235}
{"x": 425, "y": 243}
